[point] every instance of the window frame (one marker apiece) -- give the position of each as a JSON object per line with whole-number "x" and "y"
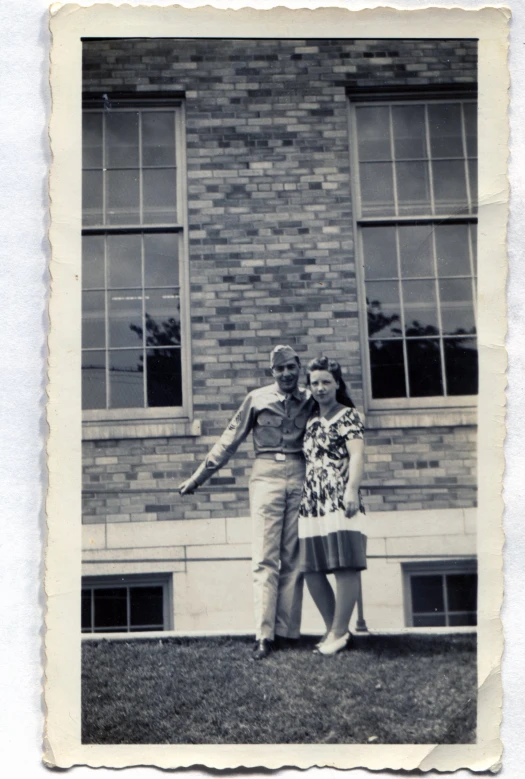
{"x": 379, "y": 407}
{"x": 125, "y": 582}
{"x": 97, "y": 418}
{"x": 441, "y": 568}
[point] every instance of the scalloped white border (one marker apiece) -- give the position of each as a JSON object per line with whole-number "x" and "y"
{"x": 68, "y": 23}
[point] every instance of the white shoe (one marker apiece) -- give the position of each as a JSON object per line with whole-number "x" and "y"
{"x": 333, "y": 647}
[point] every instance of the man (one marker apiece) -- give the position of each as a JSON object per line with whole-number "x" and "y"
{"x": 277, "y": 416}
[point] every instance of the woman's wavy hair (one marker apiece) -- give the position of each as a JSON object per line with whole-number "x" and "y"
{"x": 332, "y": 366}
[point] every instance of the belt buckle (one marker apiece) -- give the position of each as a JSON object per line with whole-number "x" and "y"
{"x": 280, "y": 457}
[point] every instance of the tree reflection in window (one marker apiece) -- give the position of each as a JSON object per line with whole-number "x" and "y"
{"x": 424, "y": 360}
{"x": 163, "y": 363}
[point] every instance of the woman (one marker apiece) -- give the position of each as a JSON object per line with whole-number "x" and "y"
{"x": 329, "y": 535}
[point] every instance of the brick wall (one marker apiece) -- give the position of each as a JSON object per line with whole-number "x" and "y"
{"x": 405, "y": 469}
{"x": 271, "y": 251}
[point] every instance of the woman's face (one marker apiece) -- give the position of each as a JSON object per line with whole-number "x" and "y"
{"x": 323, "y": 387}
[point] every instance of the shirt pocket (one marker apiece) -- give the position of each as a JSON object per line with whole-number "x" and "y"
{"x": 267, "y": 431}
{"x": 300, "y": 421}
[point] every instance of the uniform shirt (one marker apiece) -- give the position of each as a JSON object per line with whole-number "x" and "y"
{"x": 278, "y": 422}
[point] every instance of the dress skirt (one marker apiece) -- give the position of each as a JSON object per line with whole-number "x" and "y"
{"x": 328, "y": 543}
{"x": 328, "y": 540}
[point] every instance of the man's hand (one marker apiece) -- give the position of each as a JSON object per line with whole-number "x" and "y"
{"x": 187, "y": 487}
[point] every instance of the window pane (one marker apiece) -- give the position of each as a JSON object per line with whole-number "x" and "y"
{"x": 161, "y": 260}
{"x": 377, "y": 189}
{"x": 124, "y": 261}
{"x": 158, "y": 138}
{"x": 125, "y": 318}
{"x": 93, "y": 261}
{"x": 427, "y": 593}
{"x": 409, "y": 131}
{"x": 429, "y": 621}
{"x": 373, "y": 133}
{"x": 122, "y": 139}
{"x": 424, "y": 367}
{"x": 93, "y": 320}
{"x": 93, "y": 380}
{"x": 470, "y": 111}
{"x": 419, "y": 300}
{"x": 146, "y": 606}
{"x": 462, "y": 591}
{"x": 92, "y": 197}
{"x": 383, "y": 309}
{"x": 86, "y": 610}
{"x": 450, "y": 192}
{"x": 110, "y": 607}
{"x": 164, "y": 375}
{"x": 162, "y": 317}
{"x": 413, "y": 189}
{"x": 92, "y": 140}
{"x": 444, "y": 121}
{"x": 457, "y": 308}
{"x": 122, "y": 197}
{"x": 452, "y": 250}
{"x": 388, "y": 369}
{"x": 465, "y": 619}
{"x": 461, "y": 366}
{"x": 160, "y": 196}
{"x": 126, "y": 379}
{"x": 415, "y": 249}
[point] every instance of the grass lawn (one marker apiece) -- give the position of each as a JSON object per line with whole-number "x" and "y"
{"x": 391, "y": 689}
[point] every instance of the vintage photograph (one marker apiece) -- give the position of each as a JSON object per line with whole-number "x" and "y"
{"x": 279, "y": 390}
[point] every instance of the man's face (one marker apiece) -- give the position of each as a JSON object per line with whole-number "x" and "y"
{"x": 287, "y": 375}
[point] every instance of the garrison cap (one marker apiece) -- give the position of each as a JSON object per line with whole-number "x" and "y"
{"x": 281, "y": 354}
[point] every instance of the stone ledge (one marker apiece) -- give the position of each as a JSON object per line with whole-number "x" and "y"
{"x": 375, "y": 420}
{"x": 131, "y": 568}
{"x": 141, "y": 428}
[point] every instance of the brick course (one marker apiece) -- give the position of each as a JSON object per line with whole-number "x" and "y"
{"x": 271, "y": 250}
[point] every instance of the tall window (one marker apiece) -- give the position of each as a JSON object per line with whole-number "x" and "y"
{"x": 132, "y": 256}
{"x": 416, "y": 193}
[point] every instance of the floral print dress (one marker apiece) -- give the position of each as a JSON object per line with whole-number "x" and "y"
{"x": 328, "y": 540}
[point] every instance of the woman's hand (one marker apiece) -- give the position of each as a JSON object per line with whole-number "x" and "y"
{"x": 351, "y": 502}
{"x": 355, "y": 448}
{"x": 187, "y": 487}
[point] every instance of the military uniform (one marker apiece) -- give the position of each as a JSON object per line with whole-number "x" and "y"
{"x": 277, "y": 421}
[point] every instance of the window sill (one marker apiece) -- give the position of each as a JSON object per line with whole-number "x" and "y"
{"x": 162, "y": 427}
{"x": 447, "y": 417}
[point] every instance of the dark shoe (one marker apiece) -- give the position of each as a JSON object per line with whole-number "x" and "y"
{"x": 285, "y": 643}
{"x": 262, "y": 649}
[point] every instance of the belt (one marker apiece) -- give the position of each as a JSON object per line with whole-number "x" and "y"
{"x": 279, "y": 456}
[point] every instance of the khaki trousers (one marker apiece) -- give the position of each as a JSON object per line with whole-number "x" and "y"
{"x": 275, "y": 495}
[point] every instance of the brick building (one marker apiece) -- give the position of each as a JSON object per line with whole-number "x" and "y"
{"x": 243, "y": 193}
